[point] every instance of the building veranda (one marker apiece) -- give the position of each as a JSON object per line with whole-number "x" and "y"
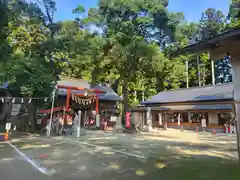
{"x": 197, "y": 107}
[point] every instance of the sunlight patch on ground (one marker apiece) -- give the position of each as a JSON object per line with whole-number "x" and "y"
{"x": 57, "y": 152}
{"x": 59, "y": 143}
{"x": 160, "y": 165}
{"x": 137, "y": 152}
{"x": 51, "y": 162}
{"x": 100, "y": 138}
{"x": 82, "y": 168}
{"x": 191, "y": 136}
{"x": 108, "y": 152}
{"x": 140, "y": 172}
{"x": 32, "y": 138}
{"x": 27, "y": 146}
{"x": 6, "y": 159}
{"x": 114, "y": 166}
{"x": 15, "y": 140}
{"x": 157, "y": 138}
{"x": 176, "y": 157}
{"x": 195, "y": 152}
{"x": 101, "y": 142}
{"x": 135, "y": 146}
{"x": 138, "y": 139}
{"x": 73, "y": 161}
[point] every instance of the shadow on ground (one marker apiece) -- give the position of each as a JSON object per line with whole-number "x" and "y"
{"x": 164, "y": 159}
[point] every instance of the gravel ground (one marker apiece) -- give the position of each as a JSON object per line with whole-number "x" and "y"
{"x": 14, "y": 167}
{"x": 114, "y": 156}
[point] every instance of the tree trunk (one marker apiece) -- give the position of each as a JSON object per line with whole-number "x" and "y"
{"x": 32, "y": 116}
{"x": 125, "y": 100}
{"x": 95, "y": 70}
{"x": 125, "y": 96}
{"x": 159, "y": 83}
{"x": 115, "y": 85}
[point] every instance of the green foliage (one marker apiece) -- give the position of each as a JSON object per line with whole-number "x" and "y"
{"x": 136, "y": 46}
{"x": 234, "y": 14}
{"x": 211, "y": 23}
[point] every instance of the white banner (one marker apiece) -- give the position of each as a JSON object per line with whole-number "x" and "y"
{"x": 8, "y": 126}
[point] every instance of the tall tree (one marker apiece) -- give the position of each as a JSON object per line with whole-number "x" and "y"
{"x": 211, "y": 23}
{"x": 234, "y": 14}
{"x": 127, "y": 26}
{"x": 26, "y": 35}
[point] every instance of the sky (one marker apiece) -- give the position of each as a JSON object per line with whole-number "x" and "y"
{"x": 192, "y": 8}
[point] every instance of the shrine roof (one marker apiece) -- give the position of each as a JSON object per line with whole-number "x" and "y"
{"x": 210, "y": 43}
{"x": 219, "y": 92}
{"x": 109, "y": 95}
{"x": 105, "y": 92}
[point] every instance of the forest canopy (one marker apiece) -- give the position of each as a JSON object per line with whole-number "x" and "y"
{"x": 133, "y": 45}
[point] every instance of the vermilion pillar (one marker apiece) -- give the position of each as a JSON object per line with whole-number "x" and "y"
{"x": 97, "y": 105}
{"x": 68, "y": 99}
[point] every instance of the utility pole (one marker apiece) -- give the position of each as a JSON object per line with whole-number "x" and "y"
{"x": 198, "y": 69}
{"x": 187, "y": 79}
{"x": 51, "y": 116}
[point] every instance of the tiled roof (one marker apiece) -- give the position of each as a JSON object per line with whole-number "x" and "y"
{"x": 211, "y": 42}
{"x": 207, "y": 93}
{"x": 109, "y": 94}
{"x": 74, "y": 82}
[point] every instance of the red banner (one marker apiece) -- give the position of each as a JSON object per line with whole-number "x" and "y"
{"x": 128, "y": 124}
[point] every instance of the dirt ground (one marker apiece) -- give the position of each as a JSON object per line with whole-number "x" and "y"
{"x": 113, "y": 156}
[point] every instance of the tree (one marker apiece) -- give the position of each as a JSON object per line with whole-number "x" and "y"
{"x": 126, "y": 26}
{"x": 234, "y": 14}
{"x": 5, "y": 50}
{"x": 26, "y": 35}
{"x": 211, "y": 23}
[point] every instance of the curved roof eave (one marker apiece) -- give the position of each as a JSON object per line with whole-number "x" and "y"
{"x": 211, "y": 42}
